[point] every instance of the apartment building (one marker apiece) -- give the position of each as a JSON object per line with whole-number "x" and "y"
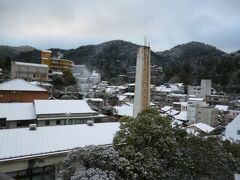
{"x": 29, "y": 71}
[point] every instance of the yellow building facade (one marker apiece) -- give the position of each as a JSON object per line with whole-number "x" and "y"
{"x": 55, "y": 63}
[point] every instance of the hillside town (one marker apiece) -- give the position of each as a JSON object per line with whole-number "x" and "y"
{"x": 119, "y": 90}
{"x": 38, "y": 106}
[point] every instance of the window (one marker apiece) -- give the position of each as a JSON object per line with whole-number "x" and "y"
{"x": 46, "y": 172}
{"x": 47, "y": 123}
{"x": 238, "y": 132}
{"x": 58, "y": 122}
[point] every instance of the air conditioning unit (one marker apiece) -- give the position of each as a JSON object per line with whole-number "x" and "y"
{"x": 32, "y": 127}
{"x": 90, "y": 122}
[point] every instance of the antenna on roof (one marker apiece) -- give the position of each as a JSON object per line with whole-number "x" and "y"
{"x": 145, "y": 41}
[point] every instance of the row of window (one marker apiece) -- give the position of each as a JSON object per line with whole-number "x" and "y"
{"x": 46, "y": 173}
{"x": 70, "y": 122}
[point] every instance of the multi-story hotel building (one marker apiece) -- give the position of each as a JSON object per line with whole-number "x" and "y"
{"x": 55, "y": 63}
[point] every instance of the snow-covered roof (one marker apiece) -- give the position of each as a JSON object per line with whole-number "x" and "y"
{"x": 124, "y": 110}
{"x": 17, "y": 111}
{"x": 57, "y": 73}
{"x": 62, "y": 107}
{"x": 163, "y": 89}
{"x": 48, "y": 51}
{"x": 203, "y": 127}
{"x": 177, "y": 95}
{"x": 152, "y": 104}
{"x": 182, "y": 116}
{"x": 121, "y": 97}
{"x": 31, "y": 64}
{"x": 122, "y": 87}
{"x": 195, "y": 99}
{"x": 128, "y": 94}
{"x": 19, "y": 85}
{"x": 166, "y": 108}
{"x": 22, "y": 143}
{"x": 176, "y": 122}
{"x": 172, "y": 112}
{"x": 232, "y": 129}
{"x": 176, "y": 86}
{"x": 221, "y": 107}
{"x": 37, "y": 83}
{"x": 95, "y": 99}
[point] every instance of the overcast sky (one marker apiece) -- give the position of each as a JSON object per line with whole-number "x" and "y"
{"x": 166, "y": 23}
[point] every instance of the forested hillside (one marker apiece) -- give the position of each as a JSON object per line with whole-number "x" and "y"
{"x": 188, "y": 63}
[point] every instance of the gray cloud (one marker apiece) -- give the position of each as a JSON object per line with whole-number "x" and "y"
{"x": 166, "y": 23}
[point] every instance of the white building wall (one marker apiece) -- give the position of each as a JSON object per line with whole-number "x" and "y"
{"x": 201, "y": 91}
{"x": 194, "y": 90}
{"x": 207, "y": 116}
{"x": 206, "y": 87}
{"x": 192, "y": 114}
{"x": 28, "y": 71}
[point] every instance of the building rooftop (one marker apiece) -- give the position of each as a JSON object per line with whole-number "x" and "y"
{"x": 22, "y": 143}
{"x": 195, "y": 99}
{"x": 17, "y": 111}
{"x": 166, "y": 108}
{"x": 62, "y": 106}
{"x": 48, "y": 51}
{"x": 203, "y": 127}
{"x": 31, "y": 64}
{"x": 222, "y": 107}
{"x": 128, "y": 94}
{"x": 124, "y": 110}
{"x": 19, "y": 85}
{"x": 182, "y": 116}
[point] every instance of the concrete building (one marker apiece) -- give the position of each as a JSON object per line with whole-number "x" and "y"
{"x": 34, "y": 154}
{"x": 142, "y": 84}
{"x": 201, "y": 91}
{"x": 55, "y": 63}
{"x": 18, "y": 90}
{"x": 29, "y": 71}
{"x": 217, "y": 99}
{"x": 199, "y": 111}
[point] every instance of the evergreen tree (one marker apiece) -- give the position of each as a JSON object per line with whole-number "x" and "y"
{"x": 147, "y": 147}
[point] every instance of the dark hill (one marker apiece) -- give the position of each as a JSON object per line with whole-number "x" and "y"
{"x": 111, "y": 58}
{"x": 194, "y": 61}
{"x": 188, "y": 63}
{"x": 9, "y": 51}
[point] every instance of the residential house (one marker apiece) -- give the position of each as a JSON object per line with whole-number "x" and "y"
{"x": 199, "y": 129}
{"x": 18, "y": 90}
